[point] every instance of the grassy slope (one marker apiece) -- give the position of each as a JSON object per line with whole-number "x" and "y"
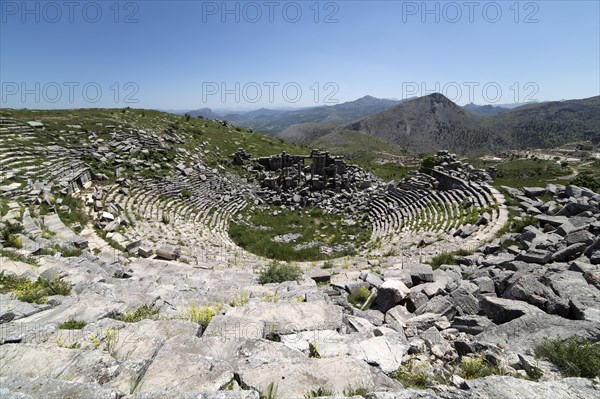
{"x": 223, "y": 140}
{"x": 526, "y": 172}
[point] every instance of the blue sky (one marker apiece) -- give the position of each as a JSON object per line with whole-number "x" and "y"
{"x": 194, "y": 54}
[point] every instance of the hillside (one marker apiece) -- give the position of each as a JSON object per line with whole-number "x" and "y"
{"x": 484, "y": 110}
{"x": 434, "y": 122}
{"x": 548, "y": 124}
{"x": 275, "y": 121}
{"x": 205, "y": 113}
{"x": 429, "y": 123}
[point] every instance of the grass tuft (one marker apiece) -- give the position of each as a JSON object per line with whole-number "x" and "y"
{"x": 141, "y": 313}
{"x": 72, "y": 324}
{"x": 26, "y": 290}
{"x": 359, "y": 297}
{"x": 279, "y": 272}
{"x": 448, "y": 258}
{"x": 576, "y": 357}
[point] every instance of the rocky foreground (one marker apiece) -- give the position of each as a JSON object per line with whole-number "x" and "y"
{"x": 158, "y": 329}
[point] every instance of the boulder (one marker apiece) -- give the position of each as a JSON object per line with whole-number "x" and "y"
{"x": 384, "y": 351}
{"x": 41, "y": 361}
{"x": 391, "y": 293}
{"x": 464, "y": 302}
{"x": 471, "y": 324}
{"x": 569, "y": 252}
{"x": 538, "y": 256}
{"x": 501, "y": 310}
{"x": 533, "y": 192}
{"x": 167, "y": 253}
{"x": 419, "y": 272}
{"x": 438, "y": 305}
{"x": 398, "y": 273}
{"x": 529, "y": 289}
{"x": 580, "y": 236}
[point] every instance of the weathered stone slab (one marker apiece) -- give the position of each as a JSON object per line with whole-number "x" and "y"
{"x": 501, "y": 310}
{"x": 291, "y": 317}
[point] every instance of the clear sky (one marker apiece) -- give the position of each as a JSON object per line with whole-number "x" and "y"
{"x": 195, "y": 54}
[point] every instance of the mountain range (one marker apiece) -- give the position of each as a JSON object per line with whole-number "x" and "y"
{"x": 427, "y": 123}
{"x": 434, "y": 122}
{"x": 275, "y": 121}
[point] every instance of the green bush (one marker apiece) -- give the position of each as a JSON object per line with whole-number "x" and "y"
{"x": 472, "y": 368}
{"x": 10, "y": 236}
{"x": 585, "y": 179}
{"x": 356, "y": 391}
{"x": 240, "y": 299}
{"x": 72, "y": 324}
{"x": 429, "y": 162}
{"x": 141, "y": 313}
{"x": 328, "y": 265}
{"x": 12, "y": 255}
{"x": 412, "y": 374}
{"x": 576, "y": 357}
{"x": 359, "y": 297}
{"x": 26, "y": 290}
{"x": 519, "y": 225}
{"x": 279, "y": 272}
{"x": 202, "y": 314}
{"x": 448, "y": 258}
{"x": 313, "y": 351}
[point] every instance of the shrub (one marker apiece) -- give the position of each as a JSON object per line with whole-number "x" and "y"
{"x": 15, "y": 242}
{"x": 448, "y": 258}
{"x": 472, "y": 368}
{"x": 519, "y": 225}
{"x": 429, "y": 162}
{"x": 328, "y": 265}
{"x": 202, "y": 314}
{"x": 26, "y": 290}
{"x": 313, "y": 351}
{"x": 69, "y": 251}
{"x": 72, "y": 324}
{"x": 185, "y": 193}
{"x": 576, "y": 357}
{"x": 359, "y": 297}
{"x": 141, "y": 313}
{"x": 240, "y": 299}
{"x": 585, "y": 179}
{"x": 412, "y": 374}
{"x": 356, "y": 391}
{"x": 12, "y": 255}
{"x": 10, "y": 236}
{"x": 279, "y": 272}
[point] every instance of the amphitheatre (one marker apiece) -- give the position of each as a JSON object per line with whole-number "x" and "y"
{"x": 150, "y": 255}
